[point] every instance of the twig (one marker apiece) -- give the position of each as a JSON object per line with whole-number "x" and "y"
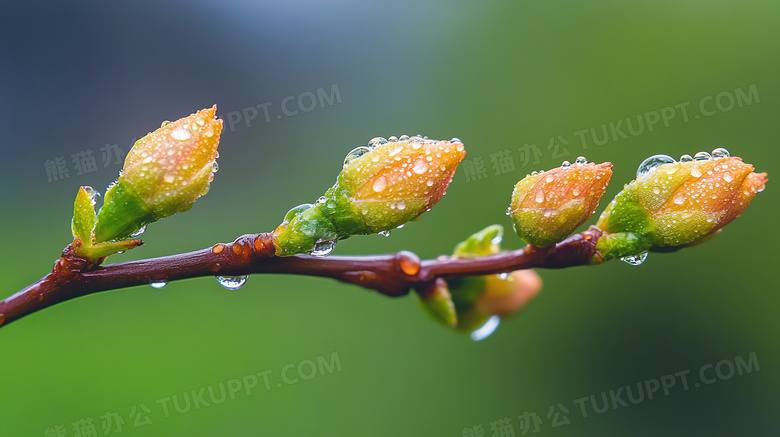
{"x": 392, "y": 274}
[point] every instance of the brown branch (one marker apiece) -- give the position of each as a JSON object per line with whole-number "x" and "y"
{"x": 391, "y": 274}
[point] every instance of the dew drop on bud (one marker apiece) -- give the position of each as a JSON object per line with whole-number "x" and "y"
{"x": 158, "y": 284}
{"x": 456, "y": 140}
{"x": 635, "y": 260}
{"x": 401, "y": 205}
{"x": 686, "y": 158}
{"x": 509, "y": 210}
{"x": 652, "y": 163}
{"x": 232, "y": 282}
{"x": 379, "y": 184}
{"x": 323, "y": 247}
{"x": 416, "y": 142}
{"x": 181, "y": 134}
{"x": 403, "y": 138}
{"x": 215, "y": 167}
{"x": 392, "y": 139}
{"x": 385, "y": 233}
{"x": 728, "y": 176}
{"x": 565, "y": 164}
{"x": 539, "y": 196}
{"x": 679, "y": 198}
{"x": 138, "y": 233}
{"x": 581, "y": 160}
{"x": 498, "y": 238}
{"x": 376, "y": 141}
{"x": 356, "y": 153}
{"x": 487, "y": 329}
{"x": 702, "y": 156}
{"x": 696, "y": 172}
{"x": 720, "y": 152}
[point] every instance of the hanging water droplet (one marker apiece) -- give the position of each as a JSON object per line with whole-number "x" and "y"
{"x": 401, "y": 226}
{"x": 565, "y": 164}
{"x": 652, "y": 163}
{"x": 214, "y": 167}
{"x": 487, "y": 329}
{"x": 385, "y": 233}
{"x": 509, "y": 210}
{"x": 232, "y": 282}
{"x": 376, "y": 141}
{"x": 503, "y": 276}
{"x": 158, "y": 284}
{"x": 686, "y": 158}
{"x": 323, "y": 247}
{"x": 702, "y": 156}
{"x": 720, "y": 152}
{"x": 138, "y": 232}
{"x": 181, "y": 134}
{"x": 635, "y": 260}
{"x": 581, "y": 160}
{"x": 498, "y": 238}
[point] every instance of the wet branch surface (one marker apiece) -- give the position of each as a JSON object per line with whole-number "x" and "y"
{"x": 392, "y": 274}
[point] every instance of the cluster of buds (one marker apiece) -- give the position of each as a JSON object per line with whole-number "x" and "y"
{"x": 476, "y": 304}
{"x": 381, "y": 186}
{"x": 164, "y": 173}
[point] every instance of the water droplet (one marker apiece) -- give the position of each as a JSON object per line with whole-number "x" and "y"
{"x": 575, "y": 192}
{"x": 720, "y": 152}
{"x": 392, "y": 139}
{"x": 164, "y": 123}
{"x": 215, "y": 167}
{"x": 702, "y": 156}
{"x": 679, "y": 198}
{"x": 380, "y": 184}
{"x": 565, "y": 164}
{"x": 323, "y": 247}
{"x": 169, "y": 177}
{"x": 497, "y": 239}
{"x": 728, "y": 176}
{"x": 509, "y": 210}
{"x": 401, "y": 226}
{"x": 429, "y": 182}
{"x": 420, "y": 166}
{"x": 416, "y": 142}
{"x": 696, "y": 171}
{"x": 181, "y": 134}
{"x": 539, "y": 196}
{"x": 356, "y": 153}
{"x": 138, "y": 232}
{"x": 293, "y": 212}
{"x": 487, "y": 329}
{"x": 581, "y": 160}
{"x": 635, "y": 260}
{"x": 376, "y": 141}
{"x": 232, "y": 282}
{"x": 503, "y": 275}
{"x": 385, "y": 233}
{"x": 686, "y": 158}
{"x": 549, "y": 179}
{"x": 409, "y": 263}
{"x": 652, "y": 163}
{"x": 656, "y": 190}
{"x": 158, "y": 284}
{"x": 401, "y": 205}
{"x": 403, "y": 138}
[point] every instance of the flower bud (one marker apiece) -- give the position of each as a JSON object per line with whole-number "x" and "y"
{"x": 470, "y": 304}
{"x": 547, "y": 207}
{"x": 164, "y": 173}
{"x": 676, "y": 204}
{"x": 381, "y": 186}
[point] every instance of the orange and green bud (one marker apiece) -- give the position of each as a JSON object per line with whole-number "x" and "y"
{"x": 476, "y": 304}
{"x": 675, "y": 204}
{"x": 164, "y": 173}
{"x": 547, "y": 207}
{"x": 381, "y": 186}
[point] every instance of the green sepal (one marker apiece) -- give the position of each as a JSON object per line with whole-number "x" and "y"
{"x": 102, "y": 250}
{"x": 83, "y": 217}
{"x": 437, "y": 303}
{"x": 123, "y": 213}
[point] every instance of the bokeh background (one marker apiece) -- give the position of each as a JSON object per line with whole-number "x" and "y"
{"x": 77, "y": 77}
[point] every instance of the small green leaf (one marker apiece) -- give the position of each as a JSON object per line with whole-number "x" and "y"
{"x": 83, "y": 216}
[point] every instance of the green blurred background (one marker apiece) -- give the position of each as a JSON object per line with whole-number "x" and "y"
{"x": 78, "y": 76}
